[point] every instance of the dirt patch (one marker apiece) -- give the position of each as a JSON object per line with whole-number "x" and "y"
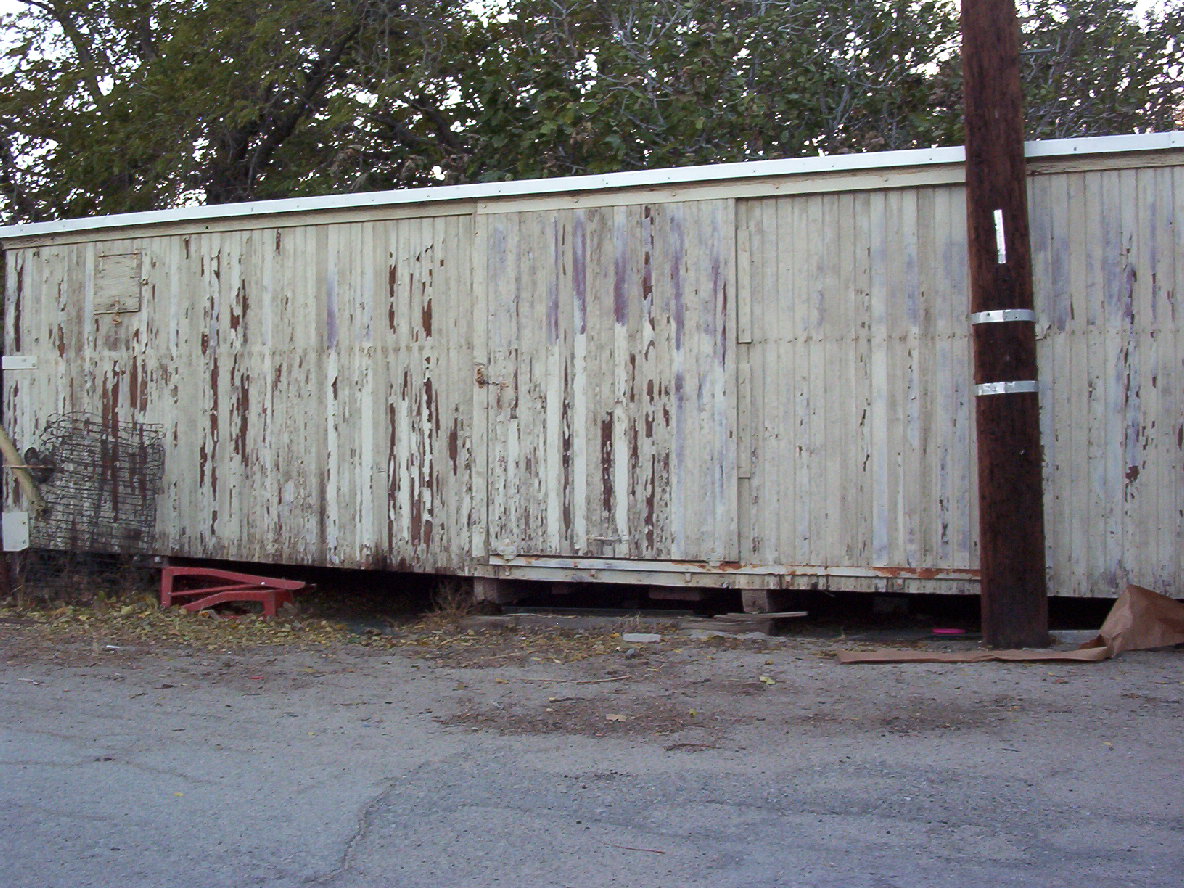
{"x": 599, "y": 716}
{"x": 892, "y": 720}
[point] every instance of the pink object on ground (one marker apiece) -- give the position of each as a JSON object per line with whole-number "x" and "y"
{"x": 949, "y": 631}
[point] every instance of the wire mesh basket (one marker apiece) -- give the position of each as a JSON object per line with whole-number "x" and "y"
{"x": 100, "y": 480}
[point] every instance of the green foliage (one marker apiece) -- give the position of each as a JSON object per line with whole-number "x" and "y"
{"x": 112, "y": 106}
{"x": 1091, "y": 68}
{"x": 108, "y": 106}
{"x": 623, "y": 84}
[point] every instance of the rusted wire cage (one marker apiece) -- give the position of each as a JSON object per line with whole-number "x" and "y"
{"x": 100, "y": 482}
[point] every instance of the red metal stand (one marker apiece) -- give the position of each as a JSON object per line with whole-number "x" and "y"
{"x": 220, "y": 586}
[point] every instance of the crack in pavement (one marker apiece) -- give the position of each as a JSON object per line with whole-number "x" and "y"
{"x": 361, "y": 828}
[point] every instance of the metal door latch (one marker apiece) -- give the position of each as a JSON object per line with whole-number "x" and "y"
{"x": 483, "y": 380}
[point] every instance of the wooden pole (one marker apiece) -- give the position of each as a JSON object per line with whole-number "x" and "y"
{"x": 16, "y": 463}
{"x": 7, "y": 586}
{"x": 1007, "y": 412}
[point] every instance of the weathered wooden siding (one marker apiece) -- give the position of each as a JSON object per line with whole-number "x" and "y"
{"x": 314, "y": 383}
{"x": 855, "y": 370}
{"x": 1108, "y": 250}
{"x": 611, "y": 381}
{"x": 858, "y": 438}
{"x": 766, "y": 380}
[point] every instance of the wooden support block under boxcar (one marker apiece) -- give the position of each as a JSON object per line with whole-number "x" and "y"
{"x": 494, "y": 591}
{"x": 765, "y": 601}
{"x": 771, "y": 623}
{"x": 677, "y": 593}
{"x": 740, "y": 624}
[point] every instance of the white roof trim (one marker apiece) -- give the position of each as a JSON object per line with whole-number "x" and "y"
{"x": 568, "y": 184}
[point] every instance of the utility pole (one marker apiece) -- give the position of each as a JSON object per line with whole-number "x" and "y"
{"x": 1007, "y": 410}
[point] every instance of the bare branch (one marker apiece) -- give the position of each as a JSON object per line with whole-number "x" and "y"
{"x": 88, "y": 55}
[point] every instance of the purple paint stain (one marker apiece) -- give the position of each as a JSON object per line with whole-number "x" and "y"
{"x": 579, "y": 273}
{"x": 1128, "y": 304}
{"x": 912, "y": 293}
{"x": 723, "y": 339}
{"x": 1115, "y": 286}
{"x": 1155, "y": 212}
{"x": 647, "y": 265}
{"x": 717, "y": 310}
{"x": 679, "y": 312}
{"x": 553, "y": 287}
{"x": 331, "y": 311}
{"x": 680, "y": 439}
{"x": 1059, "y": 300}
{"x": 620, "y": 272}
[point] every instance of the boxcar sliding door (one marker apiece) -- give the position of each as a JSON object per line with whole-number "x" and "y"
{"x": 611, "y": 380}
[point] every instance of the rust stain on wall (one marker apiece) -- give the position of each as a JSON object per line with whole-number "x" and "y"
{"x": 426, "y": 317}
{"x": 17, "y": 306}
{"x": 244, "y": 413}
{"x": 454, "y": 445}
{"x": 606, "y": 464}
{"x": 392, "y": 276}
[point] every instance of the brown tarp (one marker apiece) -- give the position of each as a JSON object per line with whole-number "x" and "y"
{"x": 1140, "y": 620}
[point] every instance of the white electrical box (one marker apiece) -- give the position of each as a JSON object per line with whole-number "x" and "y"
{"x": 15, "y": 531}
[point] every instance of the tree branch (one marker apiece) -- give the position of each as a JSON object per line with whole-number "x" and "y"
{"x": 283, "y": 127}
{"x": 24, "y": 206}
{"x": 82, "y": 47}
{"x": 441, "y": 123}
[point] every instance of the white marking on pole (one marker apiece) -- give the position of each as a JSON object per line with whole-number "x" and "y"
{"x": 1005, "y": 388}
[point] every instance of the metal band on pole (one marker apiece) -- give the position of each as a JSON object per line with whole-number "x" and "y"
{"x": 1003, "y": 316}
{"x": 1005, "y": 388}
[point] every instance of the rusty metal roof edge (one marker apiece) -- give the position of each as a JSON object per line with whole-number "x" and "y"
{"x": 798, "y": 166}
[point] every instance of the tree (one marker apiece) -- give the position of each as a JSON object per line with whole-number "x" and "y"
{"x": 112, "y": 106}
{"x": 1091, "y": 68}
{"x": 622, "y": 84}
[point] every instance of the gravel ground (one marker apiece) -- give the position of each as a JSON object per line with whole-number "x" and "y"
{"x": 553, "y": 759}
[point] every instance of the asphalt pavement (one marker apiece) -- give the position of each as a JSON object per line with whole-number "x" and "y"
{"x": 681, "y": 765}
